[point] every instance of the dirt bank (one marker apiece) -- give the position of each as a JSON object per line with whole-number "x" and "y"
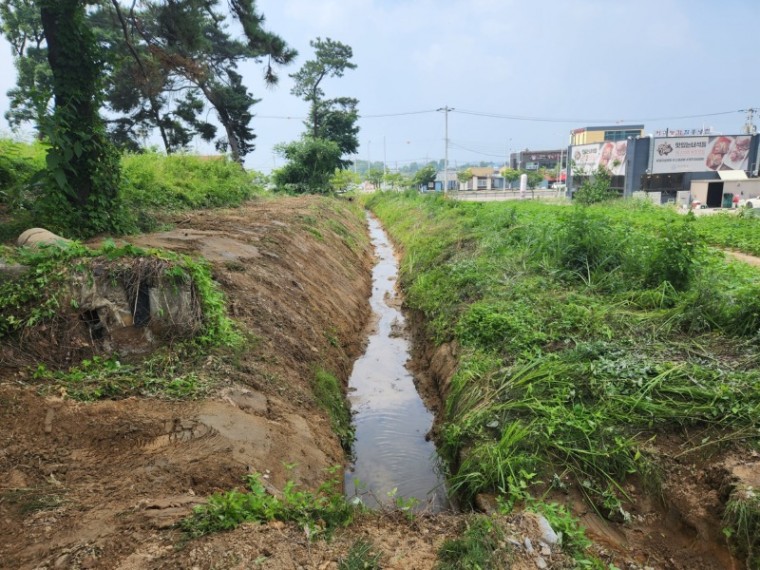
{"x": 90, "y": 484}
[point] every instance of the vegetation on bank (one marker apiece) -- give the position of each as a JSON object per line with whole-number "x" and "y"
{"x": 38, "y": 307}
{"x": 585, "y": 333}
{"x": 150, "y": 184}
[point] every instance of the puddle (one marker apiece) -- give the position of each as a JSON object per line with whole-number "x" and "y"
{"x": 391, "y": 455}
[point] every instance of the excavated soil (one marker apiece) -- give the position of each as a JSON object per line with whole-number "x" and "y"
{"x": 102, "y": 485}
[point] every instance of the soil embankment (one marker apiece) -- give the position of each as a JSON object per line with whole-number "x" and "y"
{"x": 98, "y": 485}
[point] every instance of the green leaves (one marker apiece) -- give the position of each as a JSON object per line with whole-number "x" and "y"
{"x": 319, "y": 513}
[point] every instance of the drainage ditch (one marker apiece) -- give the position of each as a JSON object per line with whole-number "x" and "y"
{"x": 393, "y": 460}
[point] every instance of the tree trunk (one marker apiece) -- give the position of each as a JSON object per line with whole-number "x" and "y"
{"x": 72, "y": 62}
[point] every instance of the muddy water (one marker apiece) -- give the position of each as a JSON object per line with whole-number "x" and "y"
{"x": 391, "y": 421}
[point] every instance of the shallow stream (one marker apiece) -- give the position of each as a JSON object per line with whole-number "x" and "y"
{"x": 392, "y": 457}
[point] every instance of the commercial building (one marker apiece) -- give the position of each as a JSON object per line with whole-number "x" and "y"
{"x": 554, "y": 161}
{"x": 592, "y": 135}
{"x": 666, "y": 165}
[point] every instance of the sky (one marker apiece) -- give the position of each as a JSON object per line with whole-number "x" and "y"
{"x": 518, "y": 75}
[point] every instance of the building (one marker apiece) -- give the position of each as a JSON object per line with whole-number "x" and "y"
{"x": 667, "y": 165}
{"x": 534, "y": 159}
{"x": 483, "y": 178}
{"x": 593, "y": 135}
{"x": 446, "y": 178}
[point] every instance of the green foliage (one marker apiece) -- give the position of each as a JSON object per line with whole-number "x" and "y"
{"x": 331, "y": 120}
{"x": 310, "y": 167}
{"x": 151, "y": 184}
{"x": 37, "y": 296}
{"x": 742, "y": 520}
{"x": 151, "y": 52}
{"x": 424, "y": 176}
{"x": 571, "y": 534}
{"x": 479, "y": 548}
{"x": 328, "y": 392}
{"x": 674, "y": 258}
{"x": 361, "y": 556}
{"x": 740, "y": 232}
{"x": 179, "y": 182}
{"x": 320, "y": 513}
{"x": 107, "y": 378}
{"x": 595, "y": 189}
{"x": 82, "y": 181}
{"x": 571, "y": 329}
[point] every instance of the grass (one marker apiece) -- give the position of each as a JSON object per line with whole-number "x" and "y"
{"x": 329, "y": 394}
{"x": 480, "y": 547}
{"x": 320, "y": 513}
{"x": 742, "y": 520}
{"x": 361, "y": 556}
{"x": 584, "y": 332}
{"x": 152, "y": 183}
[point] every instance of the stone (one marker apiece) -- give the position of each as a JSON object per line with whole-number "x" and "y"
{"x": 40, "y": 236}
{"x": 547, "y": 532}
{"x": 11, "y": 272}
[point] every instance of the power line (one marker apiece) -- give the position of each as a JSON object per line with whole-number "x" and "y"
{"x": 578, "y": 120}
{"x": 378, "y": 116}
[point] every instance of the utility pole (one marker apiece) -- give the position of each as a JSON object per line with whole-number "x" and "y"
{"x": 749, "y": 126}
{"x": 446, "y": 110}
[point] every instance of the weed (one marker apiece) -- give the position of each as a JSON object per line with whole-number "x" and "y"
{"x": 361, "y": 556}
{"x": 328, "y": 392}
{"x": 479, "y": 548}
{"x": 742, "y": 520}
{"x": 319, "y": 513}
{"x": 30, "y": 501}
{"x": 405, "y": 505}
{"x": 570, "y": 324}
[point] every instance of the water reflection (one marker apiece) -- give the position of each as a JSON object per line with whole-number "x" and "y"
{"x": 391, "y": 421}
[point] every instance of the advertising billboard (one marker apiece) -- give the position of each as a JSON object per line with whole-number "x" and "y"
{"x": 700, "y": 154}
{"x": 611, "y": 155}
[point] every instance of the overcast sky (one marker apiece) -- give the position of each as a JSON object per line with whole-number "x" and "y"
{"x": 562, "y": 64}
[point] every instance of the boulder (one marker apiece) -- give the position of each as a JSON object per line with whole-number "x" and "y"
{"x": 40, "y": 236}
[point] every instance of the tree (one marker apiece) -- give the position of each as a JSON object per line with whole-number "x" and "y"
{"x": 424, "y": 176}
{"x": 310, "y": 167}
{"x": 31, "y": 99}
{"x": 344, "y": 180}
{"x": 330, "y": 119}
{"x": 83, "y": 167}
{"x": 595, "y": 188}
{"x": 464, "y": 176}
{"x": 395, "y": 180}
{"x": 511, "y": 175}
{"x": 190, "y": 50}
{"x": 375, "y": 177}
{"x": 535, "y": 177}
{"x": 167, "y": 62}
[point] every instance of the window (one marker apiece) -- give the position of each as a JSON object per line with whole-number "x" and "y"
{"x": 620, "y": 135}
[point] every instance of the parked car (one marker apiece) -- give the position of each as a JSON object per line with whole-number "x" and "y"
{"x": 750, "y": 203}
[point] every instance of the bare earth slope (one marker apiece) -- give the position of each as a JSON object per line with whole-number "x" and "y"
{"x": 97, "y": 485}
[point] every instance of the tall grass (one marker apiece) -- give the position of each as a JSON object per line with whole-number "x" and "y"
{"x": 151, "y": 183}
{"x": 584, "y": 333}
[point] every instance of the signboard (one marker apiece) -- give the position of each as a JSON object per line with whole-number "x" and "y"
{"x": 610, "y": 155}
{"x": 683, "y": 132}
{"x": 700, "y": 154}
